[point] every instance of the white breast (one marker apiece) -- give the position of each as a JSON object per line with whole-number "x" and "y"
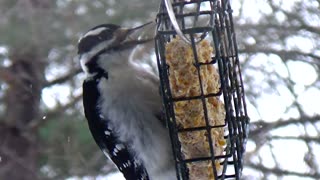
{"x": 131, "y": 100}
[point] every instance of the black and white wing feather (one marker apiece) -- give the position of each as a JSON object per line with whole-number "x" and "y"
{"x": 105, "y": 138}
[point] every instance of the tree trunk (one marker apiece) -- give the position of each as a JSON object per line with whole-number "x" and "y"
{"x": 18, "y": 155}
{"x": 18, "y": 145}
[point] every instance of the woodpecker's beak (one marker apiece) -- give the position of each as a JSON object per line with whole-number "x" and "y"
{"x": 141, "y": 28}
{"x": 137, "y": 35}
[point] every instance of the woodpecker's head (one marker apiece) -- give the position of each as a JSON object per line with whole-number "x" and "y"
{"x": 109, "y": 43}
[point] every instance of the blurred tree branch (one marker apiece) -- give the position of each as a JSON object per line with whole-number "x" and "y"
{"x": 279, "y": 172}
{"x": 283, "y": 54}
{"x": 262, "y": 126}
{"x": 33, "y": 28}
{"x": 35, "y": 124}
{"x": 63, "y": 78}
{"x": 287, "y": 32}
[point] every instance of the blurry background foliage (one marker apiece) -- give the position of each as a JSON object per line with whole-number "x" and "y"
{"x": 43, "y": 133}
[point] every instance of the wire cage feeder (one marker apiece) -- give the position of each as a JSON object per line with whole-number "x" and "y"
{"x": 203, "y": 98}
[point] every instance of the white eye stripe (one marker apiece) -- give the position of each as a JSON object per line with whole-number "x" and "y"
{"x": 95, "y": 32}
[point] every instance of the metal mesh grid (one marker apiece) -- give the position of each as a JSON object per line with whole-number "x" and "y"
{"x": 210, "y": 19}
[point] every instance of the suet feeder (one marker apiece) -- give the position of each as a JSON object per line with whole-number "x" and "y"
{"x": 202, "y": 88}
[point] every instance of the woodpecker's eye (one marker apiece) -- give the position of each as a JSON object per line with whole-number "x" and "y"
{"x": 95, "y": 36}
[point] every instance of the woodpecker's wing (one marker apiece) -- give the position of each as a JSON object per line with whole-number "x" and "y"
{"x": 105, "y": 138}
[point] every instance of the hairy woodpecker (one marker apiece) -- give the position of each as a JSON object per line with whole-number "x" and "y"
{"x": 122, "y": 104}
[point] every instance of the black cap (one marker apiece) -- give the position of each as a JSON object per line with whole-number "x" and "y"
{"x": 95, "y": 36}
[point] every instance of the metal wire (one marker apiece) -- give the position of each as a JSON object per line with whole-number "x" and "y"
{"x": 183, "y": 19}
{"x": 174, "y": 21}
{"x": 175, "y": 24}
